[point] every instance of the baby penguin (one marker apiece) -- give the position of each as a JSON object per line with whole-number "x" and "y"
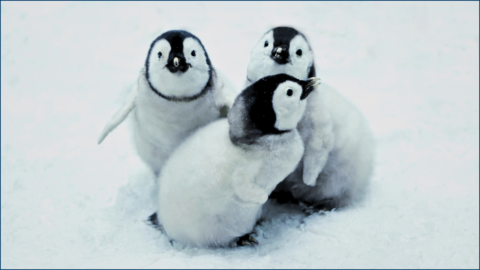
{"x": 338, "y": 159}
{"x": 177, "y": 92}
{"x": 212, "y": 188}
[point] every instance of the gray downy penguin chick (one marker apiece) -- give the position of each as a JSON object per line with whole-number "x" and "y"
{"x": 212, "y": 188}
{"x": 177, "y": 92}
{"x": 339, "y": 147}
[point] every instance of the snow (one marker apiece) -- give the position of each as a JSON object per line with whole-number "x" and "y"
{"x": 66, "y": 67}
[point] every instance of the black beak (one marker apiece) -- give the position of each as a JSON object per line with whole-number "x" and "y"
{"x": 280, "y": 54}
{"x": 309, "y": 86}
{"x": 177, "y": 62}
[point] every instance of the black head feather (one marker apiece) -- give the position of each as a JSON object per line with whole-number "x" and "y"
{"x": 176, "y": 38}
{"x": 254, "y": 109}
{"x": 282, "y": 36}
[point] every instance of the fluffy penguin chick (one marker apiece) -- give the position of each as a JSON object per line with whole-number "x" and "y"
{"x": 338, "y": 158}
{"x": 212, "y": 188}
{"x": 177, "y": 91}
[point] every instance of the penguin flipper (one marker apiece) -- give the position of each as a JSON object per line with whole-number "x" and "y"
{"x": 321, "y": 140}
{"x": 119, "y": 116}
{"x": 225, "y": 93}
{"x": 243, "y": 182}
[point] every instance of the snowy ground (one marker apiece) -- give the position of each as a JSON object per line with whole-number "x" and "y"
{"x": 412, "y": 68}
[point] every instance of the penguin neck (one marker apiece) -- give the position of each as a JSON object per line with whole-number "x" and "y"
{"x": 208, "y": 86}
{"x": 271, "y": 141}
{"x": 255, "y": 140}
{"x": 243, "y": 132}
{"x": 152, "y": 108}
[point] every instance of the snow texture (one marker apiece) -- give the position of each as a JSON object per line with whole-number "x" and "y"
{"x": 411, "y": 67}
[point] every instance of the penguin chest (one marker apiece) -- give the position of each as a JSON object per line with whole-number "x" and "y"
{"x": 160, "y": 128}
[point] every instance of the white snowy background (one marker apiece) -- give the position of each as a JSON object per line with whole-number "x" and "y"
{"x": 411, "y": 67}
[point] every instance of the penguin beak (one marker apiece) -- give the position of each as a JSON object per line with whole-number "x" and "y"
{"x": 311, "y": 84}
{"x": 177, "y": 62}
{"x": 280, "y": 54}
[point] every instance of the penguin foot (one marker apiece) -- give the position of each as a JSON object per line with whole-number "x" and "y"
{"x": 309, "y": 210}
{"x": 246, "y": 240}
{"x": 326, "y": 205}
{"x": 321, "y": 207}
{"x": 153, "y": 221}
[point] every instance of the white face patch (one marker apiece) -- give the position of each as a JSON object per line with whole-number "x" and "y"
{"x": 288, "y": 106}
{"x": 178, "y": 84}
{"x": 262, "y": 65}
{"x": 260, "y": 62}
{"x": 300, "y": 63}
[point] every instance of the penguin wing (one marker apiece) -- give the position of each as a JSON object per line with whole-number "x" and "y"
{"x": 244, "y": 185}
{"x": 225, "y": 93}
{"x": 320, "y": 141}
{"x": 120, "y": 115}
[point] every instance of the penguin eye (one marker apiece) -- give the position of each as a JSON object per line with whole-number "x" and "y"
{"x": 266, "y": 43}
{"x": 159, "y": 54}
{"x": 193, "y": 53}
{"x": 289, "y": 92}
{"x": 299, "y": 52}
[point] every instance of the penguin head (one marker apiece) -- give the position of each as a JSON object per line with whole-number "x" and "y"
{"x": 272, "y": 105}
{"x": 281, "y": 50}
{"x": 177, "y": 66}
